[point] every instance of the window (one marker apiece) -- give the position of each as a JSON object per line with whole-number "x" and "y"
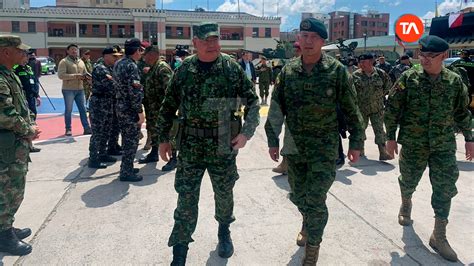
{"x": 364, "y": 23}
{"x": 96, "y": 29}
{"x": 97, "y": 2}
{"x": 132, "y": 30}
{"x": 255, "y": 32}
{"x": 342, "y": 23}
{"x": 82, "y": 29}
{"x": 15, "y": 26}
{"x": 342, "y": 33}
{"x": 268, "y": 32}
{"x": 31, "y": 26}
{"x": 179, "y": 31}
{"x": 372, "y": 24}
{"x": 168, "y": 31}
{"x": 121, "y": 31}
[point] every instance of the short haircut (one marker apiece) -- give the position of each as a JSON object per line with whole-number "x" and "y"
{"x": 72, "y": 45}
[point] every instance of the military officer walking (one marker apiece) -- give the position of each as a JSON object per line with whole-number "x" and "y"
{"x": 205, "y": 89}
{"x": 426, "y": 103}
{"x": 129, "y": 106}
{"x": 17, "y": 130}
{"x": 264, "y": 73}
{"x": 101, "y": 113}
{"x": 305, "y": 96}
{"x": 372, "y": 85}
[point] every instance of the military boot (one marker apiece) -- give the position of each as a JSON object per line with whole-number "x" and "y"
{"x": 150, "y": 157}
{"x": 171, "y": 164}
{"x": 93, "y": 163}
{"x": 439, "y": 242}
{"x": 180, "y": 252}
{"x": 131, "y": 178}
{"x": 384, "y": 156}
{"x": 225, "y": 248}
{"x": 282, "y": 168}
{"x": 107, "y": 159}
{"x": 10, "y": 243}
{"x": 22, "y": 233}
{"x": 311, "y": 255}
{"x": 302, "y": 237}
{"x": 404, "y": 216}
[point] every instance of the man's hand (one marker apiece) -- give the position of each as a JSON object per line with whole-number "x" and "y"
{"x": 141, "y": 119}
{"x": 274, "y": 153}
{"x": 35, "y": 135}
{"x": 239, "y": 142}
{"x": 469, "y": 150}
{"x": 38, "y": 101}
{"x": 353, "y": 155}
{"x": 392, "y": 148}
{"x": 165, "y": 151}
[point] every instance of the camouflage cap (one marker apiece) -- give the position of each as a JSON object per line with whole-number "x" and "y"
{"x": 12, "y": 41}
{"x": 433, "y": 44}
{"x": 314, "y": 25}
{"x": 205, "y": 30}
{"x": 152, "y": 48}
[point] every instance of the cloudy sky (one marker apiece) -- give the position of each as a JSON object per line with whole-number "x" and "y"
{"x": 290, "y": 10}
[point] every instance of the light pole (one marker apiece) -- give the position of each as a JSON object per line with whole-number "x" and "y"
{"x": 365, "y": 41}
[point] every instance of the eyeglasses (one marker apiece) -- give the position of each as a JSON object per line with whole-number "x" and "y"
{"x": 430, "y": 55}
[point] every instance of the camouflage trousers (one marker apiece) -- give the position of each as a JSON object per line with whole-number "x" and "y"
{"x": 190, "y": 170}
{"x": 264, "y": 89}
{"x": 376, "y": 120}
{"x": 443, "y": 175}
{"x": 114, "y": 129}
{"x": 12, "y": 184}
{"x": 310, "y": 182}
{"x": 100, "y": 116}
{"x": 130, "y": 137}
{"x": 151, "y": 114}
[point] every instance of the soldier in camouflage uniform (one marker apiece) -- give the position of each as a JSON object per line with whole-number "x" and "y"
{"x": 87, "y": 84}
{"x": 129, "y": 106}
{"x": 426, "y": 104}
{"x": 305, "y": 97}
{"x": 205, "y": 89}
{"x": 101, "y": 108}
{"x": 264, "y": 73}
{"x": 156, "y": 81}
{"x": 403, "y": 66}
{"x": 17, "y": 130}
{"x": 384, "y": 65}
{"x": 372, "y": 84}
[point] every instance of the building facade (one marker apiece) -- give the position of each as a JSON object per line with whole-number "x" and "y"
{"x": 50, "y": 29}
{"x": 348, "y": 25}
{"x": 108, "y": 3}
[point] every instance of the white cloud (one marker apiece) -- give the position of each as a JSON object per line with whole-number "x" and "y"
{"x": 344, "y": 9}
{"x": 166, "y": 1}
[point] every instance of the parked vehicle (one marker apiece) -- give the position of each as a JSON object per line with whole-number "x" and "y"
{"x": 449, "y": 61}
{"x": 47, "y": 65}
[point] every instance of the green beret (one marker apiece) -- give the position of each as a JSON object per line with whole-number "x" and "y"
{"x": 152, "y": 48}
{"x": 314, "y": 25}
{"x": 12, "y": 41}
{"x": 205, "y": 30}
{"x": 432, "y": 43}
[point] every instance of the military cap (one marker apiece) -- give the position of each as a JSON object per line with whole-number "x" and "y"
{"x": 133, "y": 43}
{"x": 152, "y": 48}
{"x": 433, "y": 44}
{"x": 111, "y": 50}
{"x": 263, "y": 58}
{"x": 314, "y": 25}
{"x": 205, "y": 30}
{"x": 404, "y": 57}
{"x": 366, "y": 57}
{"x": 12, "y": 41}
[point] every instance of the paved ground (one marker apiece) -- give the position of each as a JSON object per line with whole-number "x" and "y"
{"x": 81, "y": 216}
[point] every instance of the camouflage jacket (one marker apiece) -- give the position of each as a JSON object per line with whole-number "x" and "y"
{"x": 264, "y": 74}
{"x": 307, "y": 102}
{"x": 129, "y": 96}
{"x": 102, "y": 81}
{"x": 397, "y": 71}
{"x": 156, "y": 82}
{"x": 371, "y": 90}
{"x": 206, "y": 99}
{"x": 427, "y": 110}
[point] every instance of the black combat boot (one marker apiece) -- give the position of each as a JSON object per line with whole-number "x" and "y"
{"x": 10, "y": 243}
{"x": 131, "y": 178}
{"x": 107, "y": 158}
{"x": 225, "y": 248}
{"x": 22, "y": 233}
{"x": 180, "y": 252}
{"x": 171, "y": 164}
{"x": 96, "y": 164}
{"x": 150, "y": 157}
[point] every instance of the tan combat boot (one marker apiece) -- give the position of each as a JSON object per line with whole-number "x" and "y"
{"x": 384, "y": 156}
{"x": 311, "y": 255}
{"x": 439, "y": 242}
{"x": 282, "y": 168}
{"x": 404, "y": 216}
{"x": 302, "y": 237}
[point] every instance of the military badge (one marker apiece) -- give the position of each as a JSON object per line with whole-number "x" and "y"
{"x": 305, "y": 25}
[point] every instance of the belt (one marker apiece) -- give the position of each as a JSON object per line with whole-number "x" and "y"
{"x": 202, "y": 132}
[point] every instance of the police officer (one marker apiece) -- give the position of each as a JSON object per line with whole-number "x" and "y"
{"x": 17, "y": 130}
{"x": 129, "y": 106}
{"x": 113, "y": 147}
{"x": 372, "y": 84}
{"x": 101, "y": 108}
{"x": 29, "y": 83}
{"x": 310, "y": 87}
{"x": 205, "y": 89}
{"x": 426, "y": 103}
{"x": 264, "y": 73}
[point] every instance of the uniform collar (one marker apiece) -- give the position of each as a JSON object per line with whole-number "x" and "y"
{"x": 323, "y": 63}
{"x": 194, "y": 65}
{"x": 4, "y": 69}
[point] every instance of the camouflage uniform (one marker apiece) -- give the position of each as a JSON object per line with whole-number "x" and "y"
{"x": 101, "y": 112}
{"x": 371, "y": 91}
{"x": 307, "y": 103}
{"x": 87, "y": 84}
{"x": 264, "y": 78}
{"x": 385, "y": 67}
{"x": 397, "y": 71}
{"x": 29, "y": 84}
{"x": 129, "y": 105}
{"x": 427, "y": 111}
{"x": 206, "y": 99}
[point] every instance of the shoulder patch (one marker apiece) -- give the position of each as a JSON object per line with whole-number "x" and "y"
{"x": 399, "y": 86}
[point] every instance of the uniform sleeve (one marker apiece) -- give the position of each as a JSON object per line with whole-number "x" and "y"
{"x": 276, "y": 112}
{"x": 348, "y": 104}
{"x": 387, "y": 83}
{"x": 62, "y": 71}
{"x": 168, "y": 109}
{"x": 10, "y": 119}
{"x": 135, "y": 93}
{"x": 397, "y": 100}
{"x": 462, "y": 116}
{"x": 165, "y": 77}
{"x": 248, "y": 94}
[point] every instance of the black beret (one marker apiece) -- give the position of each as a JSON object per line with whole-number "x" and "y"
{"x": 432, "y": 43}
{"x": 314, "y": 25}
{"x": 466, "y": 52}
{"x": 133, "y": 43}
{"x": 366, "y": 56}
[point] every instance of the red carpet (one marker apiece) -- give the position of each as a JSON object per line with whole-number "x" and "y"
{"x": 52, "y": 126}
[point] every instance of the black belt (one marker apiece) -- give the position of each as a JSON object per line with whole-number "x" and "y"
{"x": 202, "y": 132}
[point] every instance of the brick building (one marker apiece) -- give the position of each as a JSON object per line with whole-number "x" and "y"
{"x": 348, "y": 25}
